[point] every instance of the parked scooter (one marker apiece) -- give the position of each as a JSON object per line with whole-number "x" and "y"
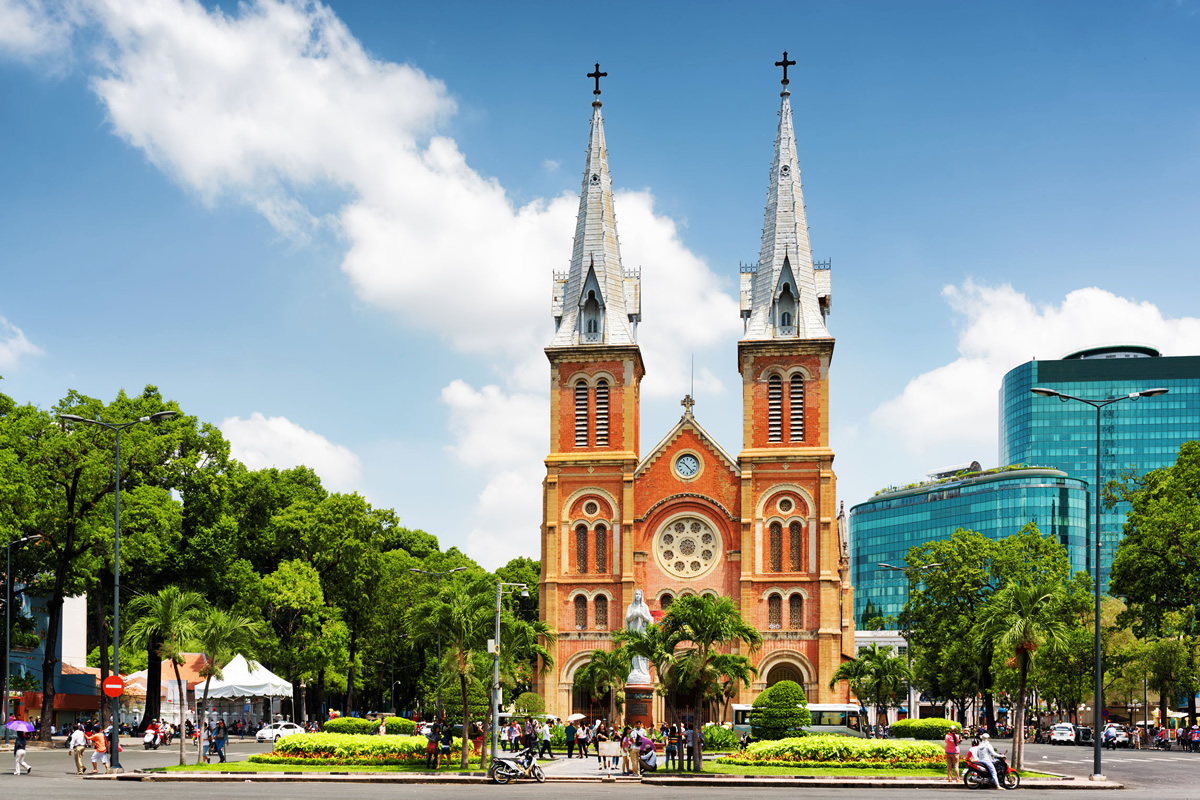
{"x": 977, "y": 776}
{"x": 522, "y": 765}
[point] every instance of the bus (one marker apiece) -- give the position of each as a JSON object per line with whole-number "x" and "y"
{"x": 839, "y": 719}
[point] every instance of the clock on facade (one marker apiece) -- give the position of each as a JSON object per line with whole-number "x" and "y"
{"x": 687, "y": 465}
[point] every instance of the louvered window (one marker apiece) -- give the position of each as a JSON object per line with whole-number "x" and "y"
{"x": 796, "y": 545}
{"x": 580, "y": 613}
{"x": 601, "y": 613}
{"x": 602, "y": 414}
{"x": 601, "y": 549}
{"x": 796, "y": 409}
{"x": 774, "y": 612}
{"x": 776, "y": 548}
{"x": 581, "y": 548}
{"x": 581, "y": 414}
{"x": 665, "y": 602}
{"x": 775, "y": 409}
{"x": 796, "y": 612}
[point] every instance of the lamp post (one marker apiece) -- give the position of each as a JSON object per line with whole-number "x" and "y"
{"x": 115, "y": 749}
{"x": 392, "y": 688}
{"x": 493, "y": 735}
{"x": 437, "y": 576}
{"x": 908, "y": 621}
{"x": 1098, "y": 700}
{"x": 8, "y": 596}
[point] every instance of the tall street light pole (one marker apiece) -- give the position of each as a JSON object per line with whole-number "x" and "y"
{"x": 114, "y": 750}
{"x": 1098, "y": 700}
{"x": 908, "y": 622}
{"x": 8, "y": 599}
{"x": 437, "y": 576}
{"x": 392, "y": 690}
{"x": 494, "y": 733}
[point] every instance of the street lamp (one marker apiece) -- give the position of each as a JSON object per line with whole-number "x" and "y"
{"x": 115, "y": 749}
{"x": 8, "y": 596}
{"x": 392, "y": 688}
{"x": 908, "y": 623}
{"x": 512, "y": 587}
{"x": 438, "y": 578}
{"x": 1098, "y": 701}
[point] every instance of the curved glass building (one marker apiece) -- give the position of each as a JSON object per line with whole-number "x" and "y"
{"x": 1137, "y": 436}
{"x": 995, "y": 504}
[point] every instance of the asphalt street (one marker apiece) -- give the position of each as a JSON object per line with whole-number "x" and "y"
{"x": 1161, "y": 776}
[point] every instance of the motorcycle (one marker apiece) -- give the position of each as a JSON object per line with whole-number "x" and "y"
{"x": 151, "y": 740}
{"x": 976, "y": 775}
{"x": 522, "y": 765}
{"x": 1162, "y": 743}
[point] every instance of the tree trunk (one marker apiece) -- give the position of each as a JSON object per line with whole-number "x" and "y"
{"x": 203, "y": 720}
{"x": 182, "y": 687}
{"x": 1018, "y": 748}
{"x": 487, "y": 727}
{"x": 297, "y": 698}
{"x": 350, "y": 675}
{"x": 50, "y": 661}
{"x": 462, "y": 679}
{"x": 153, "y": 683}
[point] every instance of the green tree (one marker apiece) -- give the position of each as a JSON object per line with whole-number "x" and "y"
{"x": 529, "y": 703}
{"x": 605, "y": 674}
{"x": 1019, "y": 619}
{"x": 222, "y": 637}
{"x": 705, "y": 626}
{"x": 170, "y": 618}
{"x": 781, "y": 711}
{"x": 875, "y": 675}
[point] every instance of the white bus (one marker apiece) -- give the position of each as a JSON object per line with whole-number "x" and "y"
{"x": 840, "y": 719}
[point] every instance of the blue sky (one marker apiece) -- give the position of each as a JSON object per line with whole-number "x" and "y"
{"x": 330, "y": 228}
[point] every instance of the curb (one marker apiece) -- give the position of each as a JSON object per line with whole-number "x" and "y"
{"x": 760, "y": 781}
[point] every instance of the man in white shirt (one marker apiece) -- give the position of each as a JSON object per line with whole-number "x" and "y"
{"x": 545, "y": 748}
{"x": 986, "y": 755}
{"x": 77, "y": 744}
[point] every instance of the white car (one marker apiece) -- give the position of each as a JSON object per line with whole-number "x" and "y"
{"x": 1062, "y": 733}
{"x": 273, "y": 732}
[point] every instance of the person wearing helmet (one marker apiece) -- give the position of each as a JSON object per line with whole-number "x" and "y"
{"x": 986, "y": 755}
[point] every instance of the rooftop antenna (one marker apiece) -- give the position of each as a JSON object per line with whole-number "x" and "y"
{"x": 693, "y": 387}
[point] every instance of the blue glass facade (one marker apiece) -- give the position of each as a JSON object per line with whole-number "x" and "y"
{"x": 1137, "y": 436}
{"x": 994, "y": 504}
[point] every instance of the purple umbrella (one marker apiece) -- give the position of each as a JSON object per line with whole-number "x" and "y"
{"x": 19, "y": 725}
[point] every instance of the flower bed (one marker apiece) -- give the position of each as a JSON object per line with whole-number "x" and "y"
{"x": 343, "y": 748}
{"x": 827, "y": 751}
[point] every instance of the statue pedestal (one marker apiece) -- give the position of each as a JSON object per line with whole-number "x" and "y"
{"x": 639, "y": 703}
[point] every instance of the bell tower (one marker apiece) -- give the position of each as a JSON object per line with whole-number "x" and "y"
{"x": 595, "y": 373}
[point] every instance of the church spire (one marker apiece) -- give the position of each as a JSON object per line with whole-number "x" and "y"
{"x": 596, "y": 301}
{"x": 787, "y": 297}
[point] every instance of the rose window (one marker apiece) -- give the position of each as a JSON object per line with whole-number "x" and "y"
{"x": 688, "y": 547}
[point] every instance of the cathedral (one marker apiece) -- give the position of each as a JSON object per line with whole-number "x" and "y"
{"x": 689, "y": 517}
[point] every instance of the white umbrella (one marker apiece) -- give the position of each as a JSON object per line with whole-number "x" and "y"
{"x": 575, "y": 717}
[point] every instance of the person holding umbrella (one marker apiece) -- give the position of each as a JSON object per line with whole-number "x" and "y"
{"x": 22, "y": 728}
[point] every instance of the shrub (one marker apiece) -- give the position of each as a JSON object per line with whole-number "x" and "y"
{"x": 399, "y": 726}
{"x": 933, "y": 728}
{"x": 846, "y": 750}
{"x": 351, "y": 725}
{"x": 780, "y": 712}
{"x": 529, "y": 703}
{"x": 341, "y": 748}
{"x": 717, "y": 737}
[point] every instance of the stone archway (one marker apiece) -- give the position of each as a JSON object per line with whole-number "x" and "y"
{"x": 784, "y": 672}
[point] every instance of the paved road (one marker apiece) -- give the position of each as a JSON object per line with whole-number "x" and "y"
{"x": 1149, "y": 775}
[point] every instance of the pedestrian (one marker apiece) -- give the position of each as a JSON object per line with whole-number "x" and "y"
{"x": 547, "y": 733}
{"x": 19, "y": 755}
{"x": 952, "y": 739}
{"x": 77, "y": 744}
{"x": 205, "y": 740}
{"x": 689, "y": 742}
{"x": 101, "y": 754}
{"x": 431, "y": 747}
{"x": 601, "y": 738}
{"x": 447, "y": 741}
{"x": 221, "y": 738}
{"x": 672, "y": 748}
{"x": 570, "y": 736}
{"x": 584, "y": 739}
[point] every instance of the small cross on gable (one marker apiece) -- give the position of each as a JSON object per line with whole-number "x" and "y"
{"x": 687, "y": 402}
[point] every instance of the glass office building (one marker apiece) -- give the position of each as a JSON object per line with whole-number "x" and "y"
{"x": 1137, "y": 436}
{"x": 993, "y": 503}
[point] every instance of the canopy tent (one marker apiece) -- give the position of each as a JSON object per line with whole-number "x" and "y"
{"x": 242, "y": 678}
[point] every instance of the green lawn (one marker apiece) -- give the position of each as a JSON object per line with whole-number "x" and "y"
{"x": 248, "y": 766}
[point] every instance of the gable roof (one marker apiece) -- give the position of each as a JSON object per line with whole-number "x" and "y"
{"x": 688, "y": 422}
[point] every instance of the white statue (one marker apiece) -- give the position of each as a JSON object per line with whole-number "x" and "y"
{"x": 637, "y": 617}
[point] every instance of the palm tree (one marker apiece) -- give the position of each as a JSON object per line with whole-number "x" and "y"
{"x": 605, "y": 673}
{"x": 738, "y": 672}
{"x": 464, "y": 618}
{"x": 875, "y": 675}
{"x": 1021, "y": 618}
{"x": 705, "y": 625}
{"x": 522, "y": 642}
{"x": 222, "y": 636}
{"x": 655, "y": 645}
{"x": 170, "y": 618}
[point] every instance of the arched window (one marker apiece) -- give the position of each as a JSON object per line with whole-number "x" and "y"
{"x": 775, "y": 409}
{"x": 796, "y": 612}
{"x": 796, "y": 409}
{"x": 796, "y": 534}
{"x": 581, "y": 414}
{"x": 581, "y": 548}
{"x": 776, "y": 548}
{"x": 602, "y": 413}
{"x": 580, "y": 613}
{"x": 591, "y": 316}
{"x": 785, "y": 319}
{"x": 787, "y": 307}
{"x": 665, "y": 602}
{"x": 774, "y": 612}
{"x": 601, "y": 613}
{"x": 601, "y": 549}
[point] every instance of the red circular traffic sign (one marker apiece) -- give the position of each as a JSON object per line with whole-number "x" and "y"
{"x": 113, "y": 686}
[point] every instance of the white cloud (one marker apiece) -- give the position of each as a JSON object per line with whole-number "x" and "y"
{"x": 953, "y": 409}
{"x": 32, "y": 28}
{"x": 260, "y": 442}
{"x": 14, "y": 345}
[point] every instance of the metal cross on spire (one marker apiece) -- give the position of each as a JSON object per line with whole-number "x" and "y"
{"x": 598, "y": 75}
{"x": 785, "y": 64}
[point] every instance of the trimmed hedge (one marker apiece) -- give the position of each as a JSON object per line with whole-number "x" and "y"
{"x": 933, "y": 728}
{"x": 351, "y": 725}
{"x": 832, "y": 750}
{"x": 745, "y": 762}
{"x": 345, "y": 748}
{"x": 399, "y": 726}
{"x": 780, "y": 712}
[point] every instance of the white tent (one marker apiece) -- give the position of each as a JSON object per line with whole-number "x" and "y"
{"x": 240, "y": 681}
